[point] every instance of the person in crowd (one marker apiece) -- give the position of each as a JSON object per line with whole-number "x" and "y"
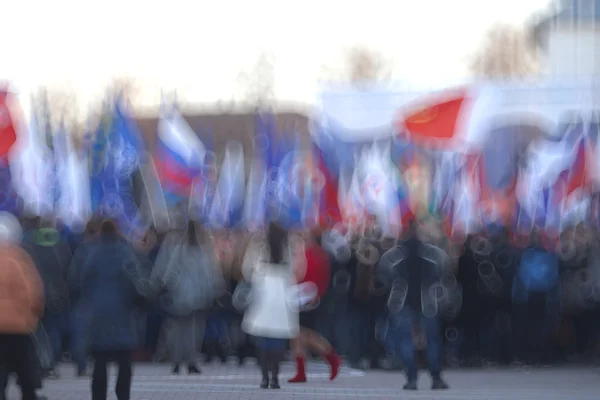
{"x": 109, "y": 297}
{"x": 270, "y": 317}
{"x": 78, "y": 316}
{"x": 352, "y": 305}
{"x": 417, "y": 310}
{"x": 149, "y": 248}
{"x": 51, "y": 253}
{"x": 470, "y": 315}
{"x": 231, "y": 249}
{"x": 22, "y": 306}
{"x": 317, "y": 273}
{"x": 187, "y": 279}
{"x": 495, "y": 277}
{"x": 536, "y": 297}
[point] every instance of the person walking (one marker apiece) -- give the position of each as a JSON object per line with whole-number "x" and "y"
{"x": 109, "y": 297}
{"x": 21, "y": 307}
{"x": 271, "y": 317}
{"x": 416, "y": 313}
{"x": 318, "y": 275}
{"x": 52, "y": 254}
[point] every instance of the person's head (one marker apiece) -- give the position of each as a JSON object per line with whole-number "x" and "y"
{"x": 92, "y": 228}
{"x": 108, "y": 228}
{"x": 277, "y": 241}
{"x": 11, "y": 232}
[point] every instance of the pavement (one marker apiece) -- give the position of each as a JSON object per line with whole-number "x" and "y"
{"x": 231, "y": 382}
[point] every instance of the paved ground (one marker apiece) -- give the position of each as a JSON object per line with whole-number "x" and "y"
{"x": 230, "y": 382}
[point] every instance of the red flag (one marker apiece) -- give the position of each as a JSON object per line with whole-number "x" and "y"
{"x": 329, "y": 208}
{"x": 436, "y": 120}
{"x": 8, "y": 134}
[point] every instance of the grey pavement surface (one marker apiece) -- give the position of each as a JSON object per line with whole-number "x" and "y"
{"x": 230, "y": 382}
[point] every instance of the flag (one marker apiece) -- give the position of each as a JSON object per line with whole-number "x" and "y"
{"x": 71, "y": 186}
{"x": 8, "y": 122}
{"x": 178, "y": 156}
{"x": 10, "y": 118}
{"x": 329, "y": 209}
{"x": 227, "y": 207}
{"x": 297, "y": 196}
{"x": 255, "y": 214}
{"x": 437, "y": 120}
{"x": 380, "y": 188}
{"x": 116, "y": 153}
{"x": 553, "y": 183}
{"x": 32, "y": 175}
{"x": 456, "y": 119}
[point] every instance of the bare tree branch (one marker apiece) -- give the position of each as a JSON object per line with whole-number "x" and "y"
{"x": 259, "y": 82}
{"x": 505, "y": 53}
{"x": 125, "y": 86}
{"x": 362, "y": 66}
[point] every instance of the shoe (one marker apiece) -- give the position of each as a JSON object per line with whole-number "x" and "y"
{"x": 264, "y": 384}
{"x": 439, "y": 384}
{"x": 300, "y": 371}
{"x": 274, "y": 384}
{"x": 241, "y": 361}
{"x": 410, "y": 385}
{"x": 82, "y": 373}
{"x": 175, "y": 369}
{"x": 192, "y": 369}
{"x": 334, "y": 363}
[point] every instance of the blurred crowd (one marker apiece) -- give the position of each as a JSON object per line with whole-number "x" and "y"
{"x": 190, "y": 295}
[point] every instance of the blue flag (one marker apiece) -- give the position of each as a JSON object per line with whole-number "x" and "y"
{"x": 115, "y": 155}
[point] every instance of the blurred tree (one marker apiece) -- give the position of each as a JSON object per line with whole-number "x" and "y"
{"x": 126, "y": 86}
{"x": 506, "y": 53}
{"x": 366, "y": 66}
{"x": 361, "y": 66}
{"x": 56, "y": 105}
{"x": 259, "y": 83}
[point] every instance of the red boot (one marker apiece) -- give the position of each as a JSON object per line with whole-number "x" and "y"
{"x": 300, "y": 372}
{"x": 334, "y": 361}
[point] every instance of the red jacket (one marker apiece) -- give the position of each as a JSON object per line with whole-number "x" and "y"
{"x": 318, "y": 268}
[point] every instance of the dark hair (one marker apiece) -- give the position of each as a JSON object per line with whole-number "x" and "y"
{"x": 108, "y": 227}
{"x": 276, "y": 239}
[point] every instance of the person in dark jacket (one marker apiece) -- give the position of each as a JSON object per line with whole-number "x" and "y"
{"x": 51, "y": 253}
{"x": 412, "y": 305}
{"x": 537, "y": 302}
{"x": 109, "y": 299}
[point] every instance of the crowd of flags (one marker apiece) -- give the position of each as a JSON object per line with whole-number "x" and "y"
{"x": 430, "y": 166}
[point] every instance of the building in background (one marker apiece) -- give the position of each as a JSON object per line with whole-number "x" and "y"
{"x": 569, "y": 39}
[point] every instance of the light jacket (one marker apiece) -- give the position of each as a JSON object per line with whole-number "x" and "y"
{"x": 22, "y": 300}
{"x": 273, "y": 309}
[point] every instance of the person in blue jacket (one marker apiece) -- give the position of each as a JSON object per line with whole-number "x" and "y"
{"x": 109, "y": 284}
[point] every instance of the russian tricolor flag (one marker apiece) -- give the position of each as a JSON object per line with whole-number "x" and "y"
{"x": 178, "y": 156}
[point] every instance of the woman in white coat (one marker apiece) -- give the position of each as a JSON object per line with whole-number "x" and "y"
{"x": 272, "y": 315}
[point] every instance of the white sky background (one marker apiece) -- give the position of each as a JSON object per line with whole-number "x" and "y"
{"x": 199, "y": 47}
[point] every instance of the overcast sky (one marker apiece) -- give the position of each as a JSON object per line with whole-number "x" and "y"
{"x": 200, "y": 47}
